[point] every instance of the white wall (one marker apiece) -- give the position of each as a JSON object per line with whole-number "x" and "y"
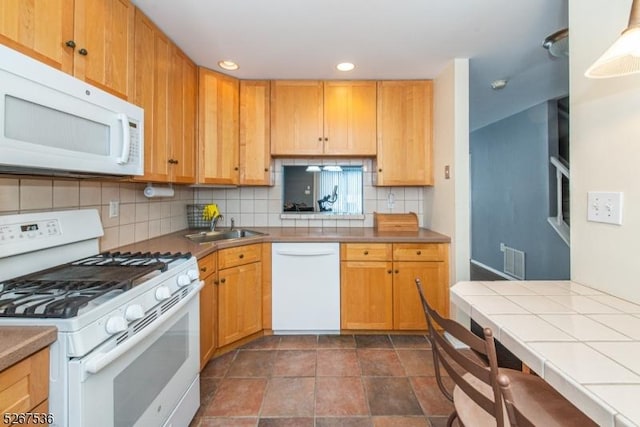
{"x": 605, "y": 152}
{"x": 447, "y": 202}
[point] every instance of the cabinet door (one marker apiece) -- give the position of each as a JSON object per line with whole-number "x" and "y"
{"x": 366, "y": 295}
{"x": 39, "y": 29}
{"x": 350, "y": 118}
{"x": 255, "y": 133}
{"x": 407, "y": 308}
{"x": 104, "y": 35}
{"x": 296, "y": 118}
{"x": 182, "y": 107}
{"x": 239, "y": 302}
{"x": 152, "y": 67}
{"x": 218, "y": 145}
{"x": 404, "y": 133}
{"x": 208, "y": 305}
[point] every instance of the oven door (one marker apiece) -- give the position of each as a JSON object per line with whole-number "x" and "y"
{"x": 143, "y": 380}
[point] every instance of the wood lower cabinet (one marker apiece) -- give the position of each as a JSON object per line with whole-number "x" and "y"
{"x": 90, "y": 39}
{"x": 24, "y": 387}
{"x": 239, "y": 293}
{"x": 378, "y": 289}
{"x": 208, "y": 308}
{"x": 404, "y": 156}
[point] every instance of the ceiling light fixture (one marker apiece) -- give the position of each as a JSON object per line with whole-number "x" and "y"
{"x": 345, "y": 66}
{"x": 623, "y": 57}
{"x": 228, "y": 65}
{"x": 498, "y": 84}
{"x": 558, "y": 43}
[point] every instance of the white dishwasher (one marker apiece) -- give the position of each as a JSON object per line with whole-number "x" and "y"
{"x": 306, "y": 288}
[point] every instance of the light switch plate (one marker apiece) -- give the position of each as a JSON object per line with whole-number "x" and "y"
{"x": 604, "y": 207}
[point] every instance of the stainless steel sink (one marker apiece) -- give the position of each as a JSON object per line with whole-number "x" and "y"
{"x": 215, "y": 236}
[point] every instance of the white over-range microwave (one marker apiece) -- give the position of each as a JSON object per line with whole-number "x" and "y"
{"x": 51, "y": 122}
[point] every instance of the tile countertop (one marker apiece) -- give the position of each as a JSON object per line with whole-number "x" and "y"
{"x": 582, "y": 341}
{"x": 19, "y": 342}
{"x": 176, "y": 242}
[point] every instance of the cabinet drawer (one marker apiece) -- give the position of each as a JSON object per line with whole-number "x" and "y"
{"x": 207, "y": 265}
{"x": 239, "y": 255}
{"x": 419, "y": 251}
{"x": 25, "y": 385}
{"x": 365, "y": 252}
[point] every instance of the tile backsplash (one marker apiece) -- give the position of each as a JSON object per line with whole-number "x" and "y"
{"x": 262, "y": 206}
{"x": 139, "y": 218}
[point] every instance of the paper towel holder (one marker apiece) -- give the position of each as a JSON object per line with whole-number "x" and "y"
{"x": 151, "y": 192}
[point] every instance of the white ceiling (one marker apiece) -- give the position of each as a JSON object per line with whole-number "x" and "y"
{"x": 386, "y": 39}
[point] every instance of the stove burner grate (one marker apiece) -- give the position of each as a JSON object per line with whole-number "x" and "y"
{"x": 62, "y": 291}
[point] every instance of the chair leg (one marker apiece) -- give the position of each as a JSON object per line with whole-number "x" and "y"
{"x": 452, "y": 418}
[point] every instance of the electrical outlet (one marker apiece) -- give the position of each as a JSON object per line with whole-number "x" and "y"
{"x": 391, "y": 198}
{"x": 114, "y": 209}
{"x": 501, "y": 247}
{"x": 604, "y": 207}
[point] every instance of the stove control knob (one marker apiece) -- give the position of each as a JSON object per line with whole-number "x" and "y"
{"x": 163, "y": 293}
{"x": 193, "y": 274}
{"x": 134, "y": 312}
{"x": 183, "y": 280}
{"x": 116, "y": 324}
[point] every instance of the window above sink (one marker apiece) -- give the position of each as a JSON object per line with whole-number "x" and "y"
{"x": 324, "y": 190}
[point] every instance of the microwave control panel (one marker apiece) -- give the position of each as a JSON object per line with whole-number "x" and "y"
{"x": 12, "y": 233}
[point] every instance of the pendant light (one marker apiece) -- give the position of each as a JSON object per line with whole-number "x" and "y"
{"x": 623, "y": 57}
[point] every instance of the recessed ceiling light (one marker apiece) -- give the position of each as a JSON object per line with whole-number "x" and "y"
{"x": 228, "y": 65}
{"x": 345, "y": 66}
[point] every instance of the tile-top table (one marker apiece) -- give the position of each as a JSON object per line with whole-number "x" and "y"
{"x": 582, "y": 341}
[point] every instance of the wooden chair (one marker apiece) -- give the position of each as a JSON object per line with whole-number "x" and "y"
{"x": 480, "y": 389}
{"x": 476, "y": 396}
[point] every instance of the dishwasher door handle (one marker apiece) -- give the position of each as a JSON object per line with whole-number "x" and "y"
{"x": 305, "y": 253}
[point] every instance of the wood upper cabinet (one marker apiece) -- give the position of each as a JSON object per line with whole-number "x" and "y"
{"x": 256, "y": 165}
{"x": 182, "y": 117}
{"x": 104, "y": 38}
{"x": 404, "y": 133}
{"x": 91, "y": 39}
{"x": 39, "y": 29}
{"x": 218, "y": 131}
{"x": 166, "y": 87}
{"x": 323, "y": 118}
{"x": 350, "y": 118}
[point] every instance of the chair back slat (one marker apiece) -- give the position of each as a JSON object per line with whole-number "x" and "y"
{"x": 466, "y": 372}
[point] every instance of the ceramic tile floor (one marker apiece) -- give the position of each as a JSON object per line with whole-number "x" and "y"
{"x": 324, "y": 381}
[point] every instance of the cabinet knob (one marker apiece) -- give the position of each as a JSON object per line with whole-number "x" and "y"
{"x": 203, "y": 269}
{"x": 83, "y": 52}
{"x": 241, "y": 256}
{"x": 236, "y": 168}
{"x": 389, "y": 271}
{"x": 71, "y": 44}
{"x": 379, "y": 170}
{"x": 266, "y": 169}
{"x": 326, "y": 139}
{"x": 223, "y": 280}
{"x": 319, "y": 138}
{"x": 419, "y": 252}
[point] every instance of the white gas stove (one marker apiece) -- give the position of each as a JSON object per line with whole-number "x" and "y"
{"x": 127, "y": 348}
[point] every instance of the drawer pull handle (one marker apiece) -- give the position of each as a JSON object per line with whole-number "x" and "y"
{"x": 366, "y": 252}
{"x": 419, "y": 252}
{"x": 203, "y": 269}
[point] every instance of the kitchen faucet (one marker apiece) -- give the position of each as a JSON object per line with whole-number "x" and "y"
{"x": 214, "y": 221}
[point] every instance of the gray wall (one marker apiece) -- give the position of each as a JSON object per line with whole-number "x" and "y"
{"x": 510, "y": 194}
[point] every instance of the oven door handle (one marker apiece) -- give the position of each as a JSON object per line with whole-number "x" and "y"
{"x": 96, "y": 363}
